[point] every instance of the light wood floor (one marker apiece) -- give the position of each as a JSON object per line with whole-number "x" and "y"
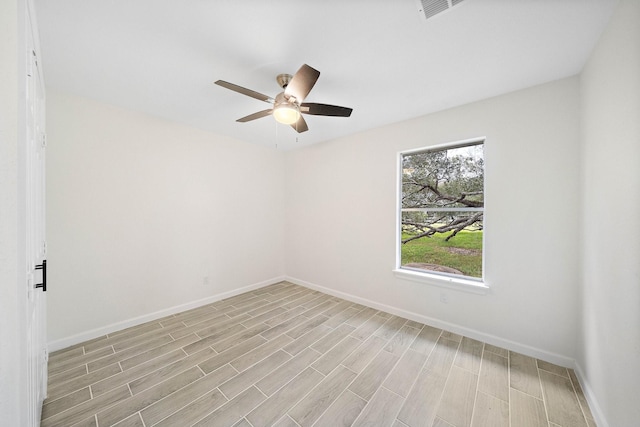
{"x": 288, "y": 356}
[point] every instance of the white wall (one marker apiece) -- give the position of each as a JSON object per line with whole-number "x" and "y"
{"x": 13, "y": 352}
{"x": 341, "y": 210}
{"x": 609, "y": 351}
{"x": 141, "y": 210}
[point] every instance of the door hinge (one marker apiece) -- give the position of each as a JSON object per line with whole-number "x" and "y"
{"x": 35, "y": 61}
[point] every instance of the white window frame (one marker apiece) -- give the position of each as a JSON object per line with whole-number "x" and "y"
{"x": 443, "y": 280}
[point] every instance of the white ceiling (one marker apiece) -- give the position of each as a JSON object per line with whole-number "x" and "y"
{"x": 379, "y": 57}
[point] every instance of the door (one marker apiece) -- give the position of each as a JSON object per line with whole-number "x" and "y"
{"x": 35, "y": 228}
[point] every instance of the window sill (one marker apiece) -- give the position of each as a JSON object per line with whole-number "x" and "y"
{"x": 460, "y": 284}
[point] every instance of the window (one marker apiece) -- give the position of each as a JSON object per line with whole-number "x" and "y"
{"x": 441, "y": 211}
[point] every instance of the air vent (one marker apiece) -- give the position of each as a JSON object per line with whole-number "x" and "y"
{"x": 430, "y": 8}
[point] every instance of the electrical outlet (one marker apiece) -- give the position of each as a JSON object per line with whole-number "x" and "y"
{"x": 205, "y": 280}
{"x": 444, "y": 298}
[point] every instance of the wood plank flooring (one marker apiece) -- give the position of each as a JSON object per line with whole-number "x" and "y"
{"x": 288, "y": 356}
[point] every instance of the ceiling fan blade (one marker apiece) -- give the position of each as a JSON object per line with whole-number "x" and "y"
{"x": 301, "y": 125}
{"x": 245, "y": 91}
{"x": 302, "y": 82}
{"x": 325, "y": 110}
{"x": 259, "y": 114}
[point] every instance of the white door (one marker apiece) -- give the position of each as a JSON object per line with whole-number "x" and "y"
{"x": 35, "y": 229}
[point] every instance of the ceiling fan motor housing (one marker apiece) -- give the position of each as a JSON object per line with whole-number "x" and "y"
{"x": 282, "y": 98}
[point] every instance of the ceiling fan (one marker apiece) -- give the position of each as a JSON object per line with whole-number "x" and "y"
{"x": 287, "y": 105}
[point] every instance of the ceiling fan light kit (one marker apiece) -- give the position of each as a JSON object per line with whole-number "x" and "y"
{"x": 287, "y": 105}
{"x": 286, "y": 113}
{"x": 285, "y": 110}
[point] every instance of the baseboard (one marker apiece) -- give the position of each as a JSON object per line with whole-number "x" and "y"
{"x": 98, "y": 332}
{"x": 471, "y": 333}
{"x": 451, "y": 327}
{"x": 596, "y": 410}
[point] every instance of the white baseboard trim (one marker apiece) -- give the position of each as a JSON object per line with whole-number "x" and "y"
{"x": 451, "y": 327}
{"x": 98, "y": 332}
{"x": 471, "y": 333}
{"x": 596, "y": 410}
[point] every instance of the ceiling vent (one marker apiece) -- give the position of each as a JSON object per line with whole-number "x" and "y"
{"x": 430, "y": 8}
